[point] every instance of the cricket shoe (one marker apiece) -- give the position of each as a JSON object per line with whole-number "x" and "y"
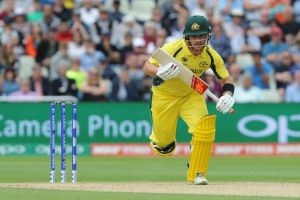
{"x": 200, "y": 180}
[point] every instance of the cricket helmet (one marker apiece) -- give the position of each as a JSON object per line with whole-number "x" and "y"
{"x": 196, "y": 25}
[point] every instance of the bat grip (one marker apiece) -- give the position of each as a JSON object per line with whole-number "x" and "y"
{"x": 216, "y": 99}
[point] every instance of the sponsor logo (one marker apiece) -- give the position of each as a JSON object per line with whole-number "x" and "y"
{"x": 195, "y": 27}
{"x": 113, "y": 129}
{"x": 8, "y": 149}
{"x": 184, "y": 59}
{"x": 271, "y": 126}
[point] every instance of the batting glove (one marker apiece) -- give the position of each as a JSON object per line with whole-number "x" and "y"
{"x": 225, "y": 103}
{"x": 168, "y": 71}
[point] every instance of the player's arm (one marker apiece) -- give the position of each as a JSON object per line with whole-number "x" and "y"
{"x": 150, "y": 69}
{"x": 228, "y": 82}
{"x": 226, "y": 101}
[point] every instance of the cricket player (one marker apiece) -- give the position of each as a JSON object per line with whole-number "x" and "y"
{"x": 172, "y": 98}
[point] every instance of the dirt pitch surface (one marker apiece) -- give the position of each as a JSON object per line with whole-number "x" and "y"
{"x": 214, "y": 188}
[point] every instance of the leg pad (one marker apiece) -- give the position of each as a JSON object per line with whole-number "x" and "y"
{"x": 201, "y": 144}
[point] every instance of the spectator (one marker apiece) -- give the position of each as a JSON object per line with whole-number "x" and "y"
{"x": 35, "y": 14}
{"x": 33, "y": 40}
{"x": 64, "y": 33}
{"x": 296, "y": 10}
{"x": 8, "y": 57}
{"x": 8, "y": 34}
{"x": 292, "y": 94}
{"x": 24, "y": 93}
{"x": 133, "y": 64}
{"x": 253, "y": 9}
{"x": 10, "y": 83}
{"x": 289, "y": 25}
{"x": 69, "y": 4}
{"x": 128, "y": 46}
{"x": 115, "y": 13}
{"x": 62, "y": 12}
{"x": 171, "y": 11}
{"x": 129, "y": 88}
{"x": 283, "y": 71}
{"x": 46, "y": 48}
{"x": 247, "y": 93}
{"x": 110, "y": 51}
{"x": 149, "y": 36}
{"x": 146, "y": 88}
{"x": 245, "y": 41}
{"x": 139, "y": 50}
{"x": 108, "y": 73}
{"x": 283, "y": 74}
{"x": 235, "y": 26}
{"x": 76, "y": 47}
{"x": 219, "y": 40}
{"x": 63, "y": 85}
{"x": 20, "y": 24}
{"x": 156, "y": 17}
{"x": 139, "y": 46}
{"x": 198, "y": 7}
{"x": 76, "y": 73}
{"x": 161, "y": 37}
{"x": 236, "y": 73}
{"x": 262, "y": 27}
{"x": 223, "y": 8}
{"x": 91, "y": 57}
{"x": 273, "y": 50}
{"x": 8, "y": 10}
{"x": 103, "y": 26}
{"x": 296, "y": 51}
{"x": 277, "y": 9}
{"x": 177, "y": 30}
{"x": 60, "y": 58}
{"x": 260, "y": 71}
{"x": 95, "y": 88}
{"x": 50, "y": 21}
{"x": 88, "y": 13}
{"x": 78, "y": 25}
{"x": 128, "y": 25}
{"x": 38, "y": 83}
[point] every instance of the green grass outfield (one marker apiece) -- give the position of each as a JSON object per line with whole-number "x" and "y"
{"x": 140, "y": 169}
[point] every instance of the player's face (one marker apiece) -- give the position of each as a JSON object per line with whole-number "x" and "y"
{"x": 196, "y": 43}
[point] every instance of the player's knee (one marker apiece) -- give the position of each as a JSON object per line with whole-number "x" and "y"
{"x": 163, "y": 151}
{"x": 205, "y": 129}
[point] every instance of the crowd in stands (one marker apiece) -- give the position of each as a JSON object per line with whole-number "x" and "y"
{"x": 95, "y": 51}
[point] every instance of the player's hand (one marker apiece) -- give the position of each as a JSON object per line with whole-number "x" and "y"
{"x": 225, "y": 103}
{"x": 168, "y": 71}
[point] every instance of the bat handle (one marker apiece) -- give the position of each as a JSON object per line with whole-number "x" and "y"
{"x": 216, "y": 99}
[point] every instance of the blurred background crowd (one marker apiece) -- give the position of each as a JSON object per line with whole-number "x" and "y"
{"x": 95, "y": 49}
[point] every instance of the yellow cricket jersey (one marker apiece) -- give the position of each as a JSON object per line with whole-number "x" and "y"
{"x": 197, "y": 64}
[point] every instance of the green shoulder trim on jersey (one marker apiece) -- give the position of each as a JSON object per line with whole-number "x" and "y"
{"x": 212, "y": 65}
{"x": 150, "y": 104}
{"x": 176, "y": 52}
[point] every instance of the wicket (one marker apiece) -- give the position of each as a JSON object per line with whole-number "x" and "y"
{"x": 63, "y": 107}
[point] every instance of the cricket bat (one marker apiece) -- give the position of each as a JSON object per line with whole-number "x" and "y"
{"x": 186, "y": 75}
